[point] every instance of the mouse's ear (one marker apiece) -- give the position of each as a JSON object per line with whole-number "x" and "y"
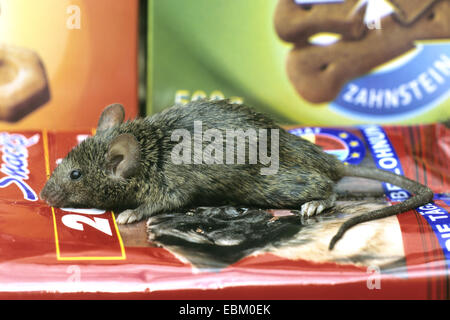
{"x": 112, "y": 116}
{"x": 123, "y": 157}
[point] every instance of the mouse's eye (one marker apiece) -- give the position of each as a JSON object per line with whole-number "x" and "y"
{"x": 75, "y": 174}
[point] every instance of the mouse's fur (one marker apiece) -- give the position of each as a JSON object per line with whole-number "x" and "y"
{"x": 128, "y": 165}
{"x": 160, "y": 183}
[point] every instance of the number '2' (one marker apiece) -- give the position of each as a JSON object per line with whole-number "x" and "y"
{"x": 75, "y": 221}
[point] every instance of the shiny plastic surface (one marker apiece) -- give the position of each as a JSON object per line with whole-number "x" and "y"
{"x": 67, "y": 253}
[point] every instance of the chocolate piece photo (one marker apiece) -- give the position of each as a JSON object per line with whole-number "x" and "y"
{"x": 23, "y": 83}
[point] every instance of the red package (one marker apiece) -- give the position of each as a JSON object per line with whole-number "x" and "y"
{"x": 53, "y": 252}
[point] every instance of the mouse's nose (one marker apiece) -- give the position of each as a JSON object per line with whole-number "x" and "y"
{"x": 52, "y": 194}
{"x": 44, "y": 193}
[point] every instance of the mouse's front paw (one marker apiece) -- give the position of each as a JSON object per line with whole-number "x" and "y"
{"x": 129, "y": 216}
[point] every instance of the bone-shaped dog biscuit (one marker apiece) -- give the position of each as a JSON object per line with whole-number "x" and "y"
{"x": 408, "y": 11}
{"x": 296, "y": 23}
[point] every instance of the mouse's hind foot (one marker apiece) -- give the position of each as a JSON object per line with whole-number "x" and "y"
{"x": 315, "y": 207}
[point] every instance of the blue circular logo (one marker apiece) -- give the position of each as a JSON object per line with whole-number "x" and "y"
{"x": 406, "y": 86}
{"x": 345, "y": 145}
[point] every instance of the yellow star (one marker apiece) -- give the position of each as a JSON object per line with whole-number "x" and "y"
{"x": 309, "y": 136}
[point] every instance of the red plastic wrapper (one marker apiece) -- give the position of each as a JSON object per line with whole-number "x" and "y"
{"x": 80, "y": 253}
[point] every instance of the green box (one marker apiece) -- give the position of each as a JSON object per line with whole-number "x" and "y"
{"x": 229, "y": 48}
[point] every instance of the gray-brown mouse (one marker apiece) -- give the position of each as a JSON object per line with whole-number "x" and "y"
{"x": 130, "y": 166}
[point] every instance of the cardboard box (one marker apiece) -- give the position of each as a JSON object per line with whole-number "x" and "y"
{"x": 62, "y": 62}
{"x": 239, "y": 50}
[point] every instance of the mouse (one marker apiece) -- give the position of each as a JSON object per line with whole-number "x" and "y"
{"x": 129, "y": 167}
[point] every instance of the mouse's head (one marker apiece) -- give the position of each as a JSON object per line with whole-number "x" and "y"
{"x": 97, "y": 172}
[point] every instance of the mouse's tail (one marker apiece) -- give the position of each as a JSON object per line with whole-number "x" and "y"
{"x": 422, "y": 195}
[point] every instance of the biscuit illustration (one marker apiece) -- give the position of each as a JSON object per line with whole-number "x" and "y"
{"x": 296, "y": 23}
{"x": 23, "y": 83}
{"x": 319, "y": 72}
{"x": 408, "y": 11}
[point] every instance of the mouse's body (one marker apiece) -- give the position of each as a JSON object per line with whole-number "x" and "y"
{"x": 130, "y": 166}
